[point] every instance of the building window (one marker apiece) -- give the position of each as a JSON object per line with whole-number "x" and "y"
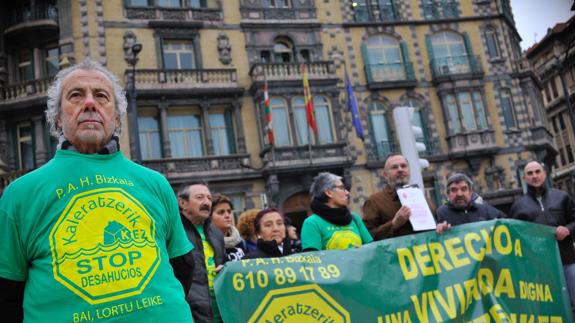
{"x": 360, "y": 10}
{"x": 465, "y": 111}
{"x": 382, "y": 10}
{"x": 138, "y": 3}
{"x": 222, "y": 132}
{"x": 419, "y": 120}
{"x": 322, "y": 118}
{"x": 436, "y": 9}
{"x": 25, "y": 147}
{"x": 380, "y": 130}
{"x": 507, "y": 108}
{"x": 280, "y": 117}
{"x": 178, "y": 54}
{"x": 25, "y": 66}
{"x": 197, "y": 3}
{"x": 553, "y": 87}
{"x": 51, "y": 61}
{"x": 449, "y": 53}
{"x": 561, "y": 122}
{"x": 547, "y": 94}
{"x": 186, "y": 135}
{"x": 283, "y": 51}
{"x": 569, "y": 153}
{"x": 383, "y": 59}
{"x": 149, "y": 132}
{"x": 492, "y": 44}
{"x": 169, "y": 3}
{"x": 277, "y": 3}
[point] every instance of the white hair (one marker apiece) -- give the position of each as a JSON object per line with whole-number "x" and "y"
{"x": 54, "y": 108}
{"x": 322, "y": 182}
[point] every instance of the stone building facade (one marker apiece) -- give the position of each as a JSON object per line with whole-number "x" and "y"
{"x": 199, "y": 90}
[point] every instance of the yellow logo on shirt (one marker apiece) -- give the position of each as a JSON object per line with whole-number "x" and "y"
{"x": 103, "y": 246}
{"x": 343, "y": 240}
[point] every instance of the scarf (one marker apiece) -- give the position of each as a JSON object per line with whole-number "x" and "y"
{"x": 337, "y": 216}
{"x": 111, "y": 147}
{"x": 232, "y": 238}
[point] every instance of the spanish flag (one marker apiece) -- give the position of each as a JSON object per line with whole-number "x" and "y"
{"x": 308, "y": 101}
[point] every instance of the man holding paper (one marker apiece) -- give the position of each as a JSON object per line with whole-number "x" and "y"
{"x": 384, "y": 215}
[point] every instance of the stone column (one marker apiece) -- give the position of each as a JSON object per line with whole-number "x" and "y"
{"x": 205, "y": 105}
{"x": 239, "y": 129}
{"x": 164, "y": 134}
{"x": 40, "y": 151}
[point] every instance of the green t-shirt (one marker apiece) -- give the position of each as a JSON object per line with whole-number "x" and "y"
{"x": 92, "y": 236}
{"x": 320, "y": 234}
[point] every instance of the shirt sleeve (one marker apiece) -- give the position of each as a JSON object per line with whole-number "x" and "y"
{"x": 13, "y": 263}
{"x": 363, "y": 232}
{"x": 177, "y": 240}
{"x": 310, "y": 235}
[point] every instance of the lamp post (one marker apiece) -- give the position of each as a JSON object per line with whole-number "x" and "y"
{"x": 133, "y": 111}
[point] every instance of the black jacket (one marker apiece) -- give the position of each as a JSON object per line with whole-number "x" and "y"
{"x": 199, "y": 292}
{"x": 471, "y": 213}
{"x": 269, "y": 249}
{"x": 555, "y": 208}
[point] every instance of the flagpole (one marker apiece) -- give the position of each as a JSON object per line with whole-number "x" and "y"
{"x": 309, "y": 144}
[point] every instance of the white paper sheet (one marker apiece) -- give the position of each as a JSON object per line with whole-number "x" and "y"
{"x": 421, "y": 217}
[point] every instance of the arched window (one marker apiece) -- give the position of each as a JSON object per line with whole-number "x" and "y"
{"x": 419, "y": 120}
{"x": 384, "y": 61}
{"x": 380, "y": 130}
{"x": 450, "y": 54}
{"x": 280, "y": 117}
{"x": 302, "y": 129}
{"x": 507, "y": 108}
{"x": 492, "y": 44}
{"x": 283, "y": 50}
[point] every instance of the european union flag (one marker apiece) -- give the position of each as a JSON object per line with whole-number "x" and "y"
{"x": 352, "y": 106}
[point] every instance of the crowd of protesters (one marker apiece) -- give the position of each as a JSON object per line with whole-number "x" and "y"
{"x": 85, "y": 111}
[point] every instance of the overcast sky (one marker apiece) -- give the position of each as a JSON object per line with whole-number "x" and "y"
{"x": 533, "y": 17}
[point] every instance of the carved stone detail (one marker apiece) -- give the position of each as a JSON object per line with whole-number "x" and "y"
{"x": 224, "y": 48}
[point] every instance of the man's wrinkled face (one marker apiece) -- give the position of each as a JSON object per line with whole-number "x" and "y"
{"x": 460, "y": 194}
{"x": 199, "y": 204}
{"x": 534, "y": 174}
{"x": 396, "y": 171}
{"x": 88, "y": 109}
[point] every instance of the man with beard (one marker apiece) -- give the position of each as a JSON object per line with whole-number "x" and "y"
{"x": 552, "y": 207}
{"x": 207, "y": 259}
{"x": 383, "y": 214}
{"x": 461, "y": 208}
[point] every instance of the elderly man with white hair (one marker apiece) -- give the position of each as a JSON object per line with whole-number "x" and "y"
{"x": 89, "y": 235}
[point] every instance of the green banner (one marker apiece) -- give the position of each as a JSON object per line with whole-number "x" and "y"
{"x": 495, "y": 271}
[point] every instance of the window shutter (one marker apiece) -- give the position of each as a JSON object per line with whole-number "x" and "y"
{"x": 228, "y": 118}
{"x": 366, "y": 67}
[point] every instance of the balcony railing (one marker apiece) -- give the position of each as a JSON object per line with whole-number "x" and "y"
{"x": 22, "y": 15}
{"x": 453, "y": 65}
{"x": 182, "y": 14}
{"x": 472, "y": 143}
{"x": 383, "y": 13}
{"x": 440, "y": 10}
{"x": 291, "y": 71}
{"x": 173, "y": 79}
{"x": 25, "y": 90}
{"x": 300, "y": 155}
{"x": 267, "y": 13}
{"x": 214, "y": 164}
{"x": 390, "y": 72}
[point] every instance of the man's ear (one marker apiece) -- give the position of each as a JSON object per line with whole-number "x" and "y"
{"x": 329, "y": 193}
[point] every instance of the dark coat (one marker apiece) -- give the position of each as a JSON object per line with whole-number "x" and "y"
{"x": 471, "y": 213}
{"x": 555, "y": 208}
{"x": 199, "y": 292}
{"x": 269, "y": 249}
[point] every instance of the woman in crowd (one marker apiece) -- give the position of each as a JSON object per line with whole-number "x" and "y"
{"x": 332, "y": 225}
{"x": 222, "y": 218}
{"x": 246, "y": 227}
{"x": 270, "y": 229}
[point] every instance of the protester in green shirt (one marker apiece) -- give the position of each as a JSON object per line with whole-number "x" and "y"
{"x": 332, "y": 225}
{"x": 90, "y": 235}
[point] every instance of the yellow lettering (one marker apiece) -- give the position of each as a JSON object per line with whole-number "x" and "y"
{"x": 485, "y": 280}
{"x": 438, "y": 257}
{"x": 407, "y": 263}
{"x": 454, "y": 250}
{"x": 503, "y": 231}
{"x": 59, "y": 193}
{"x": 504, "y": 284}
{"x": 518, "y": 251}
{"x": 469, "y": 239}
{"x": 422, "y": 258}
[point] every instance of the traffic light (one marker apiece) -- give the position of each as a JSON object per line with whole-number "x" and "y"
{"x": 410, "y": 148}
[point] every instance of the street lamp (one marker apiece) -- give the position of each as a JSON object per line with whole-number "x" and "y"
{"x": 133, "y": 111}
